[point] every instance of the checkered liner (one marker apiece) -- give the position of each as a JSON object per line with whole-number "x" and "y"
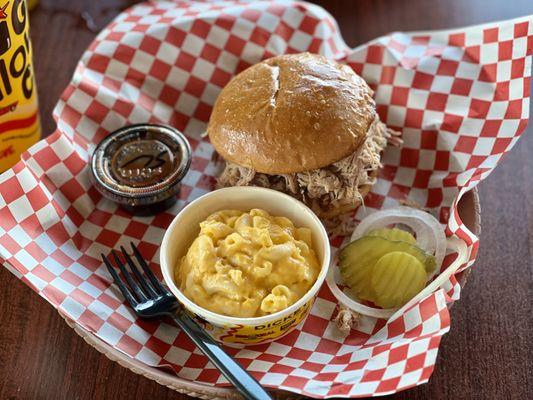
{"x": 461, "y": 98}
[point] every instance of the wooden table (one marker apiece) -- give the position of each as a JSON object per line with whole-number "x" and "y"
{"x": 487, "y": 354}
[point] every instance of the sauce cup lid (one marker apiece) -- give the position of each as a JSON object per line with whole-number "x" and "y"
{"x": 141, "y": 165}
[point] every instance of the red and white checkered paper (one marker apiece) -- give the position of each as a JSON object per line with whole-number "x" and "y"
{"x": 461, "y": 98}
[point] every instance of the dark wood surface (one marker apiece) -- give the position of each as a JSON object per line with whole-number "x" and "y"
{"x": 487, "y": 354}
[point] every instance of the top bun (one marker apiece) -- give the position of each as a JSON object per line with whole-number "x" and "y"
{"x": 291, "y": 113}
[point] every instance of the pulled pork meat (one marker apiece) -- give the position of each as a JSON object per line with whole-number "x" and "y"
{"x": 328, "y": 191}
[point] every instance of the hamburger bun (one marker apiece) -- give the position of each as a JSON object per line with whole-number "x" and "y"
{"x": 291, "y": 113}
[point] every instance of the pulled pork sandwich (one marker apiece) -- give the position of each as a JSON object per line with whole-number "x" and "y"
{"x": 303, "y": 125}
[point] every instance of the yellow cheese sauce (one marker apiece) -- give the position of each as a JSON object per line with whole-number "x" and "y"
{"x": 247, "y": 264}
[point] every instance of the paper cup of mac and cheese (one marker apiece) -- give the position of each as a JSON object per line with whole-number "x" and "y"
{"x": 185, "y": 229}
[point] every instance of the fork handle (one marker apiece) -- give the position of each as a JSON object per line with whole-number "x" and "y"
{"x": 237, "y": 375}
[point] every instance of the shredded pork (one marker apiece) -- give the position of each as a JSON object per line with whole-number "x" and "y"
{"x": 347, "y": 319}
{"x": 326, "y": 190}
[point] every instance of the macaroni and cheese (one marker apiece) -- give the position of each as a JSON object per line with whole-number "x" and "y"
{"x": 247, "y": 264}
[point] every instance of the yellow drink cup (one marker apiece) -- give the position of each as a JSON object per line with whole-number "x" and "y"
{"x": 19, "y": 109}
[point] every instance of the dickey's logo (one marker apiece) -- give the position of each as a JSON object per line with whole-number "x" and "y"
{"x": 16, "y": 69}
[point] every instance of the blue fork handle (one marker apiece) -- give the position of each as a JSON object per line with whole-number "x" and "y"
{"x": 237, "y": 375}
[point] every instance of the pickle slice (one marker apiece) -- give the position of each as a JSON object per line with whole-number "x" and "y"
{"x": 396, "y": 278}
{"x": 393, "y": 234}
{"x": 355, "y": 262}
{"x": 357, "y": 277}
{"x": 357, "y": 259}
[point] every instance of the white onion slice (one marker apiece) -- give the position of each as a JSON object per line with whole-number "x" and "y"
{"x": 429, "y": 236}
{"x": 453, "y": 244}
{"x": 429, "y": 232}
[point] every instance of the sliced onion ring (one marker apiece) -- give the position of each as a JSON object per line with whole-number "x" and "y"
{"x": 429, "y": 236}
{"x": 429, "y": 232}
{"x": 453, "y": 244}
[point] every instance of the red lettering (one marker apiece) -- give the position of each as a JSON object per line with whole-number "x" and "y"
{"x": 7, "y": 152}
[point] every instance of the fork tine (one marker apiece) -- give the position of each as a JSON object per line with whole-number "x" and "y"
{"x": 125, "y": 291}
{"x": 133, "y": 285}
{"x": 142, "y": 280}
{"x": 148, "y": 271}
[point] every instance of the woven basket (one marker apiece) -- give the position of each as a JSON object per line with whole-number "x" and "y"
{"x": 470, "y": 212}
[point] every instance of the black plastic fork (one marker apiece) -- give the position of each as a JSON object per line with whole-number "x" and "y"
{"x": 150, "y": 299}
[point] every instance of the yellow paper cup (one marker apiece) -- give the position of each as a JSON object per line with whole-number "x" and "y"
{"x": 185, "y": 228}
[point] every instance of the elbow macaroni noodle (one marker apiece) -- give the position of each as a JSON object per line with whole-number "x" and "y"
{"x": 247, "y": 264}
